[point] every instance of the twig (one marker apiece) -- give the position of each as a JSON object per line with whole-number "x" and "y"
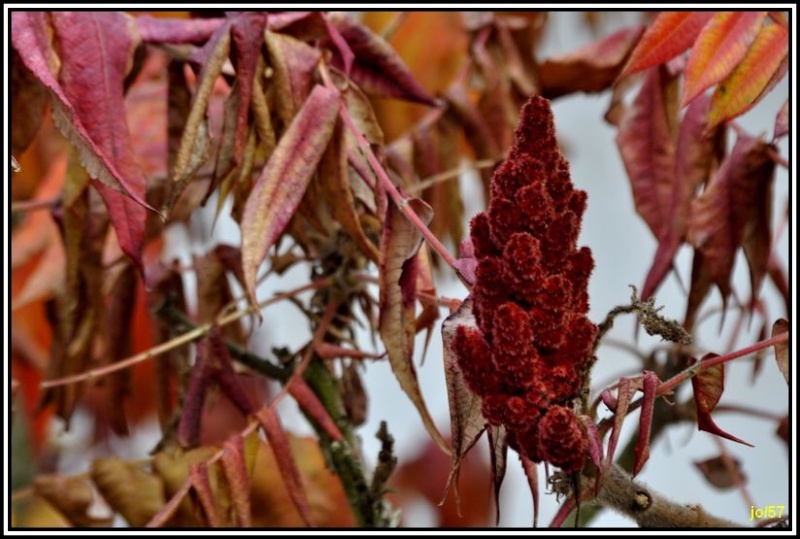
{"x": 186, "y": 338}
{"x": 23, "y": 206}
{"x": 397, "y": 21}
{"x": 448, "y": 175}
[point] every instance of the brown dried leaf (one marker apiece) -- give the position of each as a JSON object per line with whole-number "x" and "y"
{"x": 128, "y": 489}
{"x": 719, "y": 474}
{"x": 281, "y": 186}
{"x": 173, "y": 469}
{"x": 28, "y": 102}
{"x": 782, "y": 350}
{"x": 399, "y": 245}
{"x": 592, "y": 68}
{"x": 498, "y": 446}
{"x": 466, "y": 420}
{"x": 72, "y": 496}
{"x": 646, "y": 141}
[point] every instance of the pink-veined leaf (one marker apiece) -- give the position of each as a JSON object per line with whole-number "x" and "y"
{"x": 735, "y": 210}
{"x": 625, "y": 391}
{"x": 646, "y": 141}
{"x": 280, "y": 188}
{"x": 670, "y": 34}
{"x": 761, "y": 69}
{"x": 696, "y": 157}
{"x": 400, "y": 243}
{"x": 99, "y": 50}
{"x": 530, "y": 469}
{"x": 342, "y": 46}
{"x": 223, "y": 373}
{"x": 595, "y": 447}
{"x": 466, "y": 420}
{"x": 311, "y": 405}
{"x": 377, "y": 68}
{"x": 498, "y": 451}
{"x": 782, "y": 349}
{"x": 178, "y": 31}
{"x": 719, "y": 474}
{"x": 781, "y": 122}
{"x": 194, "y": 399}
{"x": 198, "y": 474}
{"x": 592, "y": 68}
{"x": 247, "y": 33}
{"x": 235, "y": 467}
{"x": 279, "y": 442}
{"x": 30, "y": 38}
{"x": 708, "y": 385}
{"x": 293, "y": 63}
{"x": 650, "y": 382}
{"x": 721, "y": 45}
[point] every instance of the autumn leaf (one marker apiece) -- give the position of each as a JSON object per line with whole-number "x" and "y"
{"x": 234, "y": 465}
{"x": 735, "y": 210}
{"x": 646, "y": 141}
{"x": 130, "y": 491}
{"x": 498, "y": 451}
{"x": 399, "y": 245}
{"x": 782, "y": 349}
{"x": 158, "y": 30}
{"x": 761, "y": 69}
{"x": 718, "y": 474}
{"x": 311, "y": 405}
{"x": 650, "y": 382}
{"x": 670, "y": 34}
{"x": 530, "y": 469}
{"x": 281, "y": 186}
{"x": 627, "y": 387}
{"x": 293, "y": 63}
{"x": 72, "y": 496}
{"x": 28, "y": 101}
{"x": 782, "y": 122}
{"x": 719, "y": 48}
{"x": 592, "y": 68}
{"x": 247, "y": 33}
{"x": 466, "y": 420}
{"x": 30, "y": 39}
{"x": 708, "y": 385}
{"x": 201, "y": 485}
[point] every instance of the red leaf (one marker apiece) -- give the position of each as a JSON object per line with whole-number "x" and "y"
{"x": 708, "y": 385}
{"x": 761, "y": 69}
{"x": 783, "y": 430}
{"x": 28, "y": 101}
{"x": 627, "y": 387}
{"x": 498, "y": 445}
{"x": 161, "y": 30}
{"x": 719, "y": 474}
{"x": 531, "y": 475}
{"x": 247, "y": 31}
{"x": 281, "y": 186}
{"x": 595, "y": 446}
{"x": 466, "y": 421}
{"x": 193, "y": 400}
{"x": 198, "y": 474}
{"x": 377, "y": 69}
{"x": 642, "y": 452}
{"x": 311, "y": 405}
{"x": 670, "y": 34}
{"x": 399, "y": 245}
{"x": 283, "y": 456}
{"x": 646, "y": 141}
{"x": 235, "y": 467}
{"x": 29, "y": 37}
{"x": 696, "y": 157}
{"x": 782, "y": 349}
{"x": 592, "y": 68}
{"x": 782, "y": 122}
{"x": 735, "y": 209}
{"x": 719, "y": 48}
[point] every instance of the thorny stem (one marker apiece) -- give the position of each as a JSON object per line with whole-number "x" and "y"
{"x": 397, "y": 197}
{"x": 186, "y": 338}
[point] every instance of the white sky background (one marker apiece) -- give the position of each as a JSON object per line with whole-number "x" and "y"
{"x": 623, "y": 249}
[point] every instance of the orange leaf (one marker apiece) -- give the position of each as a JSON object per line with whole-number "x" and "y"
{"x": 721, "y": 45}
{"x": 280, "y": 188}
{"x": 670, "y": 34}
{"x": 763, "y": 67}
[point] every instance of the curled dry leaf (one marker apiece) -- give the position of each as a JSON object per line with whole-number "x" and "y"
{"x": 466, "y": 421}
{"x": 293, "y": 63}
{"x": 398, "y": 277}
{"x": 280, "y": 188}
{"x": 782, "y": 349}
{"x": 234, "y": 465}
{"x": 72, "y": 496}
